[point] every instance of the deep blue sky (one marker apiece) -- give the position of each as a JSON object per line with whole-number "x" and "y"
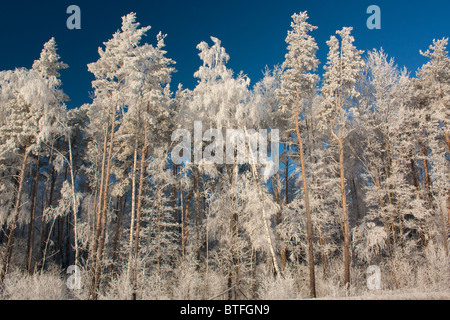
{"x": 252, "y": 32}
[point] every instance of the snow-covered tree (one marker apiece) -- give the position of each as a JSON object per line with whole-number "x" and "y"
{"x": 297, "y": 88}
{"x": 102, "y": 187}
{"x": 384, "y": 94}
{"x": 342, "y": 70}
{"x": 131, "y": 108}
{"x": 30, "y": 108}
{"x": 432, "y": 97}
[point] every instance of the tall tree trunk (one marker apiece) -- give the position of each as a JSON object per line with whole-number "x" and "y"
{"x": 30, "y": 242}
{"x": 448, "y": 213}
{"x": 104, "y": 218}
{"x": 443, "y": 229}
{"x": 426, "y": 169}
{"x": 323, "y": 256}
{"x": 355, "y": 199}
{"x": 98, "y": 219}
{"x": 447, "y": 139}
{"x": 62, "y": 222}
{"x": 414, "y": 173}
{"x": 417, "y": 188}
{"x": 9, "y": 244}
{"x": 67, "y": 242}
{"x": 74, "y": 203}
{"x": 312, "y": 278}
{"x": 265, "y": 220}
{"x": 117, "y": 232}
{"x": 346, "y": 231}
{"x": 142, "y": 173}
{"x": 234, "y": 263}
{"x": 186, "y": 219}
{"x": 159, "y": 223}
{"x": 99, "y": 236}
{"x": 197, "y": 214}
{"x": 345, "y": 215}
{"x": 133, "y": 212}
{"x": 45, "y": 225}
{"x": 59, "y": 255}
{"x": 97, "y": 222}
{"x": 286, "y": 181}
{"x": 44, "y": 251}
{"x": 277, "y": 192}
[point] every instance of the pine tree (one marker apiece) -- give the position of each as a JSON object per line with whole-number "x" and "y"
{"x": 110, "y": 71}
{"x": 342, "y": 70}
{"x": 297, "y": 87}
{"x": 432, "y": 91}
{"x": 130, "y": 91}
{"x": 48, "y": 65}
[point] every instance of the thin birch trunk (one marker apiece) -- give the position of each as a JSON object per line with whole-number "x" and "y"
{"x": 265, "y": 220}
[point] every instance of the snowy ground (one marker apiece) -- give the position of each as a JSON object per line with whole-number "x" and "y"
{"x": 396, "y": 295}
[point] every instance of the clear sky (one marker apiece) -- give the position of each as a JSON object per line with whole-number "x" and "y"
{"x": 252, "y": 32}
